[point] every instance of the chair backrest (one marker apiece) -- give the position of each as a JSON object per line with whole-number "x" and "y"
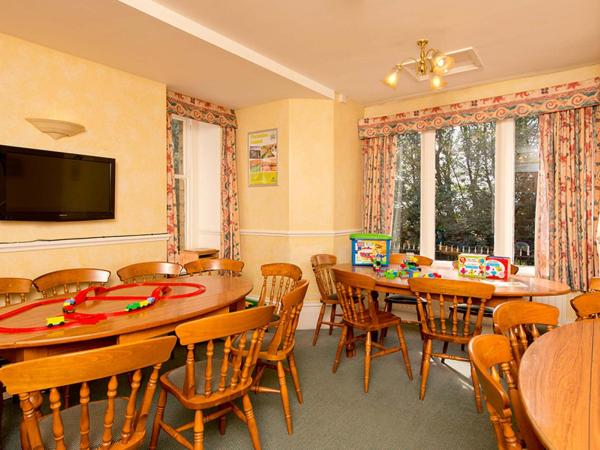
{"x": 587, "y": 306}
{"x": 519, "y": 321}
{"x": 14, "y": 290}
{"x": 70, "y": 280}
{"x": 594, "y": 284}
{"x": 492, "y": 358}
{"x": 513, "y": 269}
{"x": 219, "y": 266}
{"x": 398, "y": 258}
{"x": 321, "y": 265}
{"x": 148, "y": 271}
{"x": 291, "y": 306}
{"x": 434, "y": 296}
{"x": 354, "y": 296}
{"x": 28, "y": 377}
{"x": 278, "y": 280}
{"x": 234, "y": 371}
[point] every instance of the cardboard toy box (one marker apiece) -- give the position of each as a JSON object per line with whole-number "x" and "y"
{"x": 365, "y": 246}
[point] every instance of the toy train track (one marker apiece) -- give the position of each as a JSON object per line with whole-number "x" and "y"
{"x": 72, "y": 318}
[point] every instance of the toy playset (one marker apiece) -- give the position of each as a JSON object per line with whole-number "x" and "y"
{"x": 71, "y": 317}
{"x": 409, "y": 269}
{"x": 497, "y": 267}
{"x": 370, "y": 249}
{"x": 483, "y": 266}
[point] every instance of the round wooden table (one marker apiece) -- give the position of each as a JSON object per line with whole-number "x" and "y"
{"x": 517, "y": 286}
{"x": 559, "y": 383}
{"x": 222, "y": 295}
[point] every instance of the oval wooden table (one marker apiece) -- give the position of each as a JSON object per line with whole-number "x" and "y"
{"x": 222, "y": 294}
{"x": 559, "y": 384}
{"x": 517, "y": 286}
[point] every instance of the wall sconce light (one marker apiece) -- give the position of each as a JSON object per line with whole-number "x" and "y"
{"x": 56, "y": 129}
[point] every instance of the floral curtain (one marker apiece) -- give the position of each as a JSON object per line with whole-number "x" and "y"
{"x": 568, "y": 197}
{"x": 379, "y": 181}
{"x": 186, "y": 106}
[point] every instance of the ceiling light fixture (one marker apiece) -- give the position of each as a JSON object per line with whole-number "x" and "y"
{"x": 56, "y": 129}
{"x": 431, "y": 62}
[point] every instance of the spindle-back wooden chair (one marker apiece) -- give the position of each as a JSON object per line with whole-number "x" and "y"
{"x": 281, "y": 348}
{"x": 399, "y": 299}
{"x": 217, "y": 266}
{"x": 70, "y": 280}
{"x": 148, "y": 271}
{"x": 594, "y": 284}
{"x": 519, "y": 322}
{"x": 210, "y": 383}
{"x": 438, "y": 324}
{"x": 360, "y": 312}
{"x": 278, "y": 280}
{"x": 321, "y": 265}
{"x": 89, "y": 424}
{"x": 492, "y": 358}
{"x": 14, "y": 290}
{"x": 587, "y": 306}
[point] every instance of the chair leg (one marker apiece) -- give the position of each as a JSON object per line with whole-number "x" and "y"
{"x": 332, "y": 320}
{"x": 198, "y": 430}
{"x": 476, "y": 388}
{"x": 444, "y": 350}
{"x": 251, "y": 422}
{"x": 222, "y": 424}
{"x": 340, "y": 349}
{"x": 285, "y": 401}
{"x": 294, "y": 371}
{"x": 160, "y": 411}
{"x": 425, "y": 368}
{"x": 319, "y": 322}
{"x": 404, "y": 351}
{"x": 367, "y": 360}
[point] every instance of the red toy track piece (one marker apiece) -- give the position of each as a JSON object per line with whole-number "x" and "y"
{"x": 99, "y": 293}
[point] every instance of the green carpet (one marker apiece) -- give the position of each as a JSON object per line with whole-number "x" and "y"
{"x": 337, "y": 414}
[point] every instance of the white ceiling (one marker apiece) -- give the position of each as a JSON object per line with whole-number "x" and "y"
{"x": 243, "y": 52}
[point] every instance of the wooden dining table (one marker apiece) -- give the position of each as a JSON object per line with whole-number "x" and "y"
{"x": 559, "y": 384}
{"x": 517, "y": 286}
{"x": 222, "y": 294}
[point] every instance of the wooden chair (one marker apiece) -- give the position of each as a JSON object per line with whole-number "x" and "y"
{"x": 360, "y": 312}
{"x": 208, "y": 383}
{"x": 586, "y": 306}
{"x": 278, "y": 280}
{"x": 208, "y": 266}
{"x": 492, "y": 358}
{"x": 70, "y": 280}
{"x": 148, "y": 271}
{"x": 14, "y": 290}
{"x": 321, "y": 265}
{"x": 594, "y": 285}
{"x": 433, "y": 296}
{"x": 390, "y": 300}
{"x": 281, "y": 348}
{"x": 519, "y": 322}
{"x": 89, "y": 424}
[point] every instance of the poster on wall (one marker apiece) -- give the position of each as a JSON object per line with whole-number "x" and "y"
{"x": 262, "y": 158}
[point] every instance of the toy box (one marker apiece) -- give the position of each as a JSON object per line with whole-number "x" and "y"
{"x": 497, "y": 267}
{"x": 366, "y": 246}
{"x": 472, "y": 266}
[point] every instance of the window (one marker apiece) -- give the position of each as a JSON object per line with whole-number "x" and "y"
{"x": 464, "y": 190}
{"x": 469, "y": 188}
{"x": 407, "y": 201}
{"x": 197, "y": 165}
{"x": 526, "y": 173}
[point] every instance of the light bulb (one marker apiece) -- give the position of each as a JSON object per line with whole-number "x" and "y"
{"x": 441, "y": 63}
{"x": 391, "y": 79}
{"x": 437, "y": 82}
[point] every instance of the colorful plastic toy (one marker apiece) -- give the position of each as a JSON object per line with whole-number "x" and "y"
{"x": 55, "y": 321}
{"x": 69, "y": 306}
{"x": 139, "y": 305}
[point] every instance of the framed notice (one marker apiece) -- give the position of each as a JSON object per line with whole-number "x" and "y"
{"x": 262, "y": 158}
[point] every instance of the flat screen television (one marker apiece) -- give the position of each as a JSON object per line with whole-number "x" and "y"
{"x": 53, "y": 186}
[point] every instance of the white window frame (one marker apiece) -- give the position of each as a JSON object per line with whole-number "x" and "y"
{"x": 504, "y": 195}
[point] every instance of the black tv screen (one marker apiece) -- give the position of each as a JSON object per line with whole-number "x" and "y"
{"x": 54, "y": 186}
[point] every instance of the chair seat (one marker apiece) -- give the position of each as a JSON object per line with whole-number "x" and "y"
{"x": 488, "y": 311}
{"x": 385, "y": 319}
{"x": 177, "y": 376}
{"x": 71, "y": 417}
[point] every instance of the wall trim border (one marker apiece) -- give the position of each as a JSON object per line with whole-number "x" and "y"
{"x": 80, "y": 242}
{"x": 301, "y": 233}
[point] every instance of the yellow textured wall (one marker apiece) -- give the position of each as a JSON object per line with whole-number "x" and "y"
{"x": 124, "y": 116}
{"x": 447, "y": 97}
